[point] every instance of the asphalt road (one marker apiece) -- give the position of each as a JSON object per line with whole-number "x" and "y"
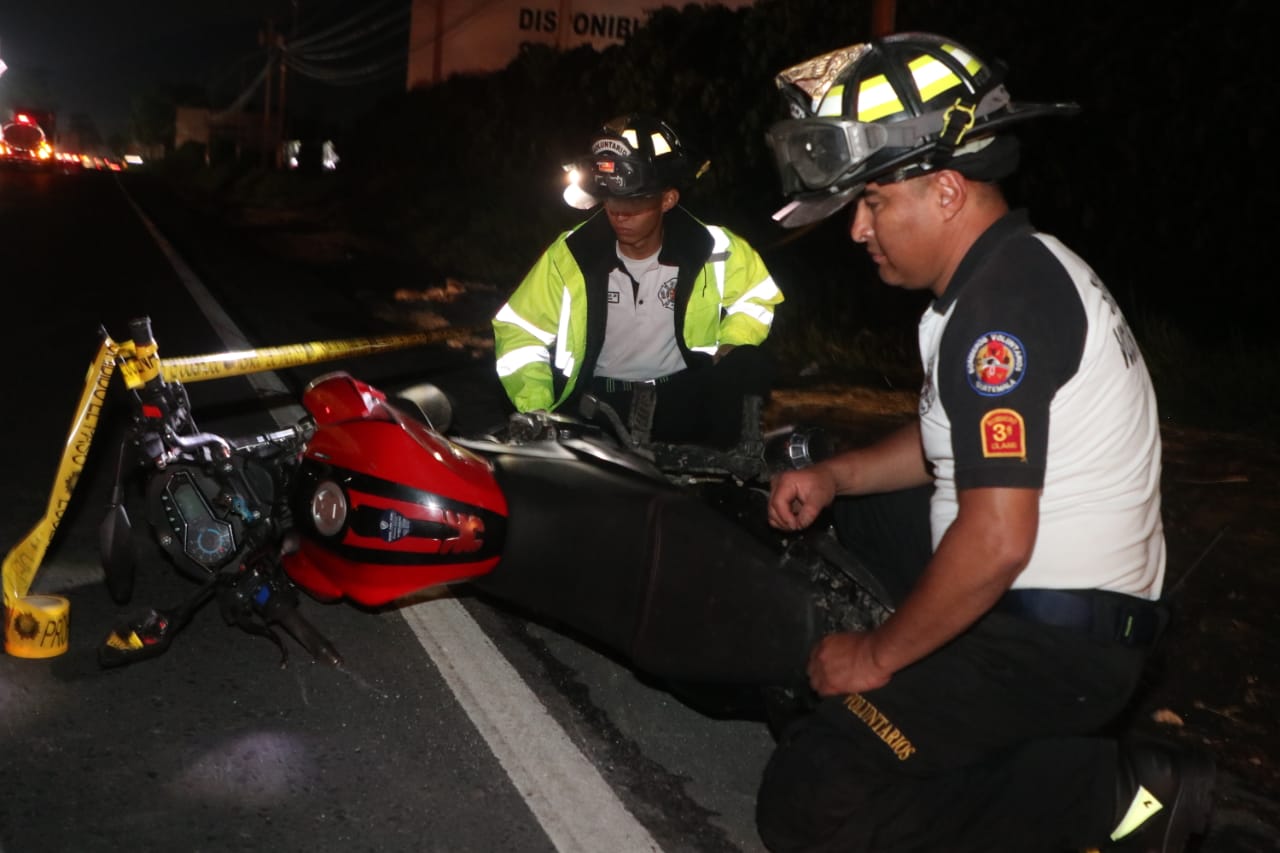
{"x": 452, "y": 725}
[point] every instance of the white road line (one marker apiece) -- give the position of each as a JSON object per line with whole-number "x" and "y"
{"x": 572, "y": 802}
{"x": 575, "y": 806}
{"x": 266, "y": 384}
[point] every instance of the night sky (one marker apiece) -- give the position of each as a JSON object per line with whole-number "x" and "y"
{"x": 94, "y": 57}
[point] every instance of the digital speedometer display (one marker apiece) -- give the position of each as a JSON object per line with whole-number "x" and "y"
{"x": 189, "y": 502}
{"x": 206, "y": 539}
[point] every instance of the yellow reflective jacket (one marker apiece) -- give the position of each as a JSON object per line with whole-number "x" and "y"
{"x": 549, "y": 333}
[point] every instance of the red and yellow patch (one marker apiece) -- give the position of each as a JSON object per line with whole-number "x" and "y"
{"x": 1004, "y": 434}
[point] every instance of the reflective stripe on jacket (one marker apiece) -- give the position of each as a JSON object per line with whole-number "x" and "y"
{"x": 548, "y": 334}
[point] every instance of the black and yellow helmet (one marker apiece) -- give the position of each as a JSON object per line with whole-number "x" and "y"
{"x": 888, "y": 110}
{"x": 633, "y": 155}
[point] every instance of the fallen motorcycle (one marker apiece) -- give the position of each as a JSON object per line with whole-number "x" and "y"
{"x": 658, "y": 552}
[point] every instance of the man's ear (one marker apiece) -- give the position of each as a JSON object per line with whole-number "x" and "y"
{"x": 952, "y": 189}
{"x": 670, "y": 198}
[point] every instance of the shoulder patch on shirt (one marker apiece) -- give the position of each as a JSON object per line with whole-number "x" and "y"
{"x": 995, "y": 364}
{"x": 1003, "y": 434}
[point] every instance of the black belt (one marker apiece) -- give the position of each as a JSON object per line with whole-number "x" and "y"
{"x": 1108, "y": 617}
{"x": 608, "y": 385}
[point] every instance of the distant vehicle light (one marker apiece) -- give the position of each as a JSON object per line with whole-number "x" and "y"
{"x": 133, "y": 159}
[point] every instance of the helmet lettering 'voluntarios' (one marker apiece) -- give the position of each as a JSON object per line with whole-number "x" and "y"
{"x": 632, "y": 156}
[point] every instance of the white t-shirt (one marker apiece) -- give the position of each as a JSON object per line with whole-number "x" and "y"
{"x": 640, "y": 336}
{"x": 1033, "y": 380}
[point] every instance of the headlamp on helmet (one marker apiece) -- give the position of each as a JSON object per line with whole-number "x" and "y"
{"x": 632, "y": 156}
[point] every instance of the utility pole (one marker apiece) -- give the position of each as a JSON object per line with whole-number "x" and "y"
{"x": 284, "y": 73}
{"x": 270, "y": 40}
{"x": 882, "y": 17}
{"x": 437, "y": 58}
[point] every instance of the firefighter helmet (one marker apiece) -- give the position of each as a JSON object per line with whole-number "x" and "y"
{"x": 633, "y": 155}
{"x": 888, "y": 110}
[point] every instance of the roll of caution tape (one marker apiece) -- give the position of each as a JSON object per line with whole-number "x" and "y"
{"x": 37, "y": 626}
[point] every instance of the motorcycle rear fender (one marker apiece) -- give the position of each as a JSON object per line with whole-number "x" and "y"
{"x": 651, "y": 572}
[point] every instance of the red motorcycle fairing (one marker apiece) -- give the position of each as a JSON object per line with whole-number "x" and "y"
{"x": 385, "y": 505}
{"x": 337, "y": 397}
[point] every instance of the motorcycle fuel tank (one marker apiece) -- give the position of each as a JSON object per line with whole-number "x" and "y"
{"x": 385, "y": 505}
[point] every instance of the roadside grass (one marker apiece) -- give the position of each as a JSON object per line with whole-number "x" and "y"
{"x": 1229, "y": 384}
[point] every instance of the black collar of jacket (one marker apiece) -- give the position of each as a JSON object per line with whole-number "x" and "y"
{"x": 685, "y": 242}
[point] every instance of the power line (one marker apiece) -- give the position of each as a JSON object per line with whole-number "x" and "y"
{"x": 313, "y": 39}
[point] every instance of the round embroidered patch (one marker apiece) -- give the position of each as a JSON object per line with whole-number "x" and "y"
{"x": 996, "y": 364}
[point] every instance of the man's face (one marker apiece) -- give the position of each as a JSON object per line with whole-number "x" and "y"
{"x": 637, "y": 222}
{"x": 897, "y": 222}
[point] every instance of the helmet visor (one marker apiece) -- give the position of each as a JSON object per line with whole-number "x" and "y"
{"x": 813, "y": 153}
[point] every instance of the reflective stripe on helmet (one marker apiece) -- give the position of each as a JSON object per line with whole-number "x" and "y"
{"x": 877, "y": 98}
{"x": 968, "y": 60}
{"x": 832, "y": 104}
{"x": 659, "y": 143}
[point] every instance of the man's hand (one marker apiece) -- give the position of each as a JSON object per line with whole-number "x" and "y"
{"x": 797, "y": 497}
{"x": 844, "y": 663}
{"x": 721, "y": 352}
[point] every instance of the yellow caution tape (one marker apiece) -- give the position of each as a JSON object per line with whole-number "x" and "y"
{"x": 37, "y": 626}
{"x": 198, "y": 368}
{"x": 24, "y": 558}
{"x": 139, "y": 364}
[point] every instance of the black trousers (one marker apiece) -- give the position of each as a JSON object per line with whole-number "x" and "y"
{"x": 992, "y": 743}
{"x": 703, "y": 403}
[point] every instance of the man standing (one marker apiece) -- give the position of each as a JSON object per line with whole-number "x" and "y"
{"x": 1018, "y": 518}
{"x": 641, "y": 294}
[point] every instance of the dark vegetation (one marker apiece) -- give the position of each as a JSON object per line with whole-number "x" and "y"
{"x": 1157, "y": 183}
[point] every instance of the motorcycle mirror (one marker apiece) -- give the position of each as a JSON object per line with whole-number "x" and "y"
{"x": 115, "y": 547}
{"x": 428, "y": 402}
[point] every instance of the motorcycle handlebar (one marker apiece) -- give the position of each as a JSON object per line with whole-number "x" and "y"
{"x": 140, "y": 331}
